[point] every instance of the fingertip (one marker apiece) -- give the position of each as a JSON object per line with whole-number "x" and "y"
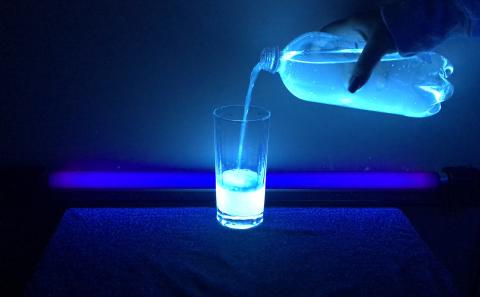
{"x": 370, "y": 56}
{"x": 353, "y": 84}
{"x": 352, "y": 89}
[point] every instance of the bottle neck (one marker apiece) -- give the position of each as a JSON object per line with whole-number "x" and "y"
{"x": 270, "y": 59}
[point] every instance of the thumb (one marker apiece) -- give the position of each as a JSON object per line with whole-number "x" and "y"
{"x": 374, "y": 50}
{"x": 337, "y": 27}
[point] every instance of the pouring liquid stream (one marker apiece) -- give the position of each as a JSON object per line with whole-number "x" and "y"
{"x": 248, "y": 100}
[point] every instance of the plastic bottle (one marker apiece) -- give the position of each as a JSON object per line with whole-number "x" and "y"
{"x": 317, "y": 66}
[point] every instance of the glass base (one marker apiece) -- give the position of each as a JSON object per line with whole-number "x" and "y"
{"x": 236, "y": 222}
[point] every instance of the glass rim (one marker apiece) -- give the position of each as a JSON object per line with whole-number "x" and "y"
{"x": 216, "y": 113}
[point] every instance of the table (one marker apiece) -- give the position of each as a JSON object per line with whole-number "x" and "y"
{"x": 184, "y": 252}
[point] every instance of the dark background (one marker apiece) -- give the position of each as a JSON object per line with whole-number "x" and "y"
{"x": 103, "y": 84}
{"x": 116, "y": 85}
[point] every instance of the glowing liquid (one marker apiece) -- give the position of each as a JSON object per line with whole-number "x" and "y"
{"x": 248, "y": 100}
{"x": 240, "y": 193}
{"x": 413, "y": 86}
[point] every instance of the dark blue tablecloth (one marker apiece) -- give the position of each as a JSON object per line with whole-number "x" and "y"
{"x": 185, "y": 252}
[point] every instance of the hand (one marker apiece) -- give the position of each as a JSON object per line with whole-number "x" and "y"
{"x": 371, "y": 28}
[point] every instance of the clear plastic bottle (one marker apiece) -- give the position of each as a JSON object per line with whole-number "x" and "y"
{"x": 317, "y": 66}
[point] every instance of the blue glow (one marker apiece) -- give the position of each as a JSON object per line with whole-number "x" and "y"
{"x": 391, "y": 89}
{"x": 437, "y": 94}
{"x": 275, "y": 180}
{"x": 353, "y": 180}
{"x": 132, "y": 180}
{"x": 317, "y": 66}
